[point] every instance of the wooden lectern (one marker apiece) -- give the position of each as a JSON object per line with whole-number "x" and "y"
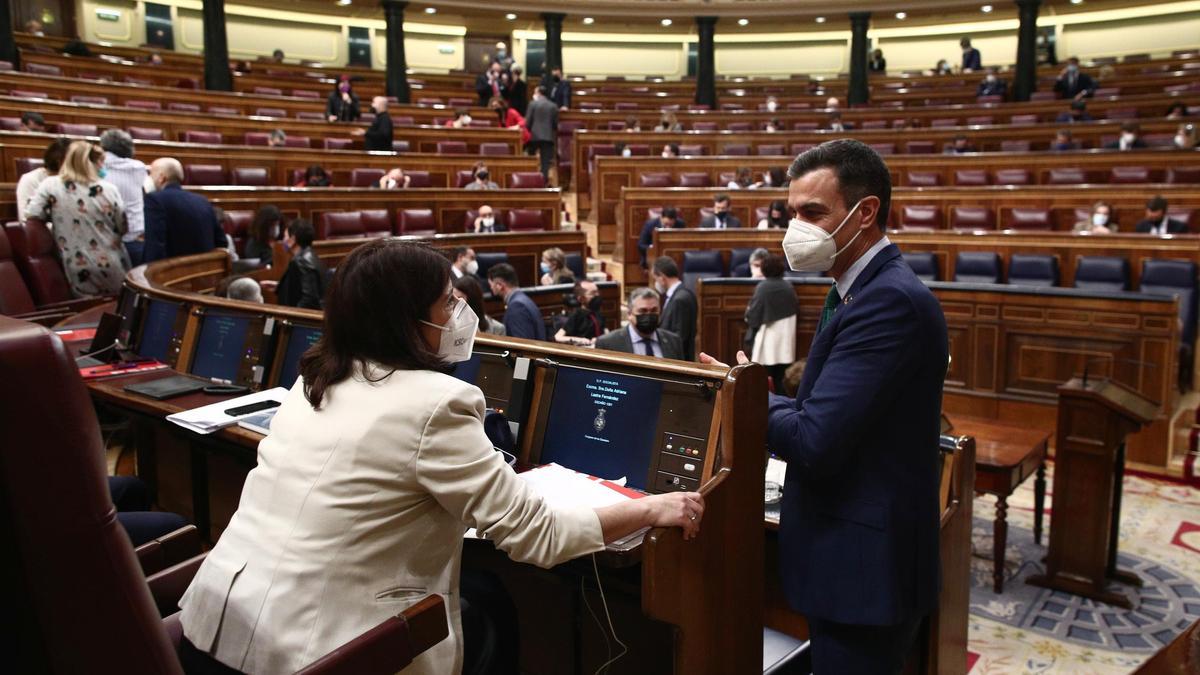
{"x": 1094, "y": 417}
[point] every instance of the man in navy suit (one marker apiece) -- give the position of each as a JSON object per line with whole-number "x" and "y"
{"x": 522, "y": 318}
{"x": 971, "y": 58}
{"x": 859, "y": 521}
{"x": 178, "y": 222}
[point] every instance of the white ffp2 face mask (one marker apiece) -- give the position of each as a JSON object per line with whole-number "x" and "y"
{"x": 458, "y": 335}
{"x": 1099, "y": 219}
{"x": 472, "y": 268}
{"x": 809, "y": 248}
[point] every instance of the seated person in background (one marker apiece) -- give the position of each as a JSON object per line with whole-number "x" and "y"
{"x": 315, "y": 176}
{"x": 721, "y": 218}
{"x": 1185, "y": 137}
{"x": 777, "y": 216}
{"x": 773, "y": 125}
{"x": 992, "y": 85}
{"x": 486, "y": 221}
{"x": 1099, "y": 222}
{"x": 482, "y": 179}
{"x": 277, "y": 56}
{"x": 239, "y": 287}
{"x": 632, "y": 124}
{"x": 554, "y": 268}
{"x": 679, "y": 306}
{"x": 510, "y": 118}
{"x": 772, "y": 104}
{"x": 756, "y": 259}
{"x": 1077, "y": 113}
{"x": 1157, "y": 221}
{"x": 1062, "y": 141}
{"x": 303, "y": 283}
{"x": 961, "y": 145}
{"x": 877, "y": 64}
{"x": 52, "y": 158}
{"x": 771, "y": 321}
{"x": 668, "y": 122}
{"x": 463, "y": 263}
{"x": 522, "y": 318}
{"x": 835, "y": 122}
{"x": 670, "y": 151}
{"x": 277, "y": 139}
{"x": 668, "y": 220}
{"x": 832, "y": 103}
{"x": 32, "y": 121}
{"x": 775, "y": 177}
{"x": 642, "y": 335}
{"x": 89, "y": 220}
{"x": 1130, "y": 138}
{"x": 342, "y": 104}
{"x": 584, "y": 323}
{"x": 1074, "y": 84}
{"x": 1177, "y": 111}
{"x": 178, "y": 222}
{"x": 34, "y": 27}
{"x": 942, "y": 67}
{"x": 264, "y": 230}
{"x": 395, "y": 179}
{"x": 742, "y": 180}
{"x": 468, "y": 290}
{"x": 462, "y": 119}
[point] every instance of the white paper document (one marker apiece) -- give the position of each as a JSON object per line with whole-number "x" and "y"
{"x": 210, "y": 418}
{"x": 563, "y": 488}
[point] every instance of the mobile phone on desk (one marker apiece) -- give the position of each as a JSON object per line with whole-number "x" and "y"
{"x": 251, "y": 408}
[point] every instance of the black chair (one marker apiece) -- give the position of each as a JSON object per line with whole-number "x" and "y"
{"x": 1177, "y": 278}
{"x": 923, "y": 264}
{"x": 701, "y": 265}
{"x": 1033, "y": 270}
{"x": 1102, "y": 273}
{"x": 977, "y": 267}
{"x": 575, "y": 264}
{"x": 486, "y": 260}
{"x": 739, "y": 261}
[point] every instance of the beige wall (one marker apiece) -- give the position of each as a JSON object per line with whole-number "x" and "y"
{"x": 1157, "y": 35}
{"x": 923, "y": 52}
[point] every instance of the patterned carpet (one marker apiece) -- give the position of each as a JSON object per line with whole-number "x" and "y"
{"x": 1033, "y": 630}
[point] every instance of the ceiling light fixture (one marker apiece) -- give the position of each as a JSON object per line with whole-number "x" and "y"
{"x": 343, "y": 3}
{"x": 431, "y": 10}
{"x": 986, "y": 9}
{"x": 1076, "y": 2}
{"x": 666, "y": 22}
{"x": 743, "y": 22}
{"x": 510, "y": 16}
{"x": 587, "y": 21}
{"x": 820, "y": 19}
{"x": 901, "y": 15}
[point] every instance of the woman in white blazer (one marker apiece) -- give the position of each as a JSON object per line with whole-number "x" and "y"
{"x": 376, "y": 464}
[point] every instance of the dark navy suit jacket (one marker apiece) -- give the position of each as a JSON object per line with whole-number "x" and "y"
{"x": 972, "y": 60}
{"x": 859, "y": 521}
{"x": 522, "y": 318}
{"x": 179, "y": 222}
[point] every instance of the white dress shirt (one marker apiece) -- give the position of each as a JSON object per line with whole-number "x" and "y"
{"x": 128, "y": 175}
{"x": 637, "y": 339}
{"x": 846, "y": 281}
{"x": 26, "y": 186}
{"x": 670, "y": 292}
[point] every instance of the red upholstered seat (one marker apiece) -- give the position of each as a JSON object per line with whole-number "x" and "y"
{"x": 1012, "y": 177}
{"x": 311, "y": 115}
{"x": 1132, "y": 174}
{"x": 25, "y": 93}
{"x": 920, "y": 216}
{"x": 342, "y": 225}
{"x": 980, "y": 120}
{"x": 183, "y": 107}
{"x": 740, "y": 126}
{"x": 36, "y": 255}
{"x": 771, "y": 149}
{"x": 256, "y": 138}
{"x": 365, "y": 177}
{"x": 519, "y": 220}
{"x": 1029, "y": 218}
{"x": 419, "y": 179}
{"x": 43, "y": 69}
{"x": 14, "y": 294}
{"x": 1043, "y": 96}
{"x": 204, "y": 174}
{"x": 994, "y": 98}
{"x": 130, "y": 79}
{"x": 1183, "y": 174}
{"x": 297, "y": 142}
{"x": 306, "y": 93}
{"x": 463, "y": 177}
{"x": 1121, "y": 114}
{"x": 1014, "y": 146}
{"x": 923, "y": 179}
{"x": 919, "y": 147}
{"x": 526, "y": 179}
{"x": 270, "y": 112}
{"x": 736, "y": 150}
{"x": 455, "y": 102}
{"x": 625, "y": 105}
{"x": 694, "y": 179}
{"x": 942, "y": 122}
{"x": 268, "y": 91}
{"x": 10, "y": 123}
{"x": 144, "y": 105}
{"x": 27, "y": 164}
{"x": 972, "y": 218}
{"x": 376, "y": 222}
{"x": 237, "y": 226}
{"x": 208, "y": 137}
{"x": 429, "y": 101}
{"x": 91, "y": 100}
{"x": 451, "y": 148}
{"x": 493, "y": 149}
{"x": 727, "y": 177}
{"x": 415, "y": 222}
{"x": 798, "y": 148}
{"x": 337, "y": 143}
{"x": 691, "y": 150}
{"x": 400, "y": 146}
{"x": 256, "y": 176}
{"x": 805, "y": 126}
{"x": 704, "y": 126}
{"x": 883, "y": 148}
{"x": 1023, "y": 119}
{"x": 77, "y": 129}
{"x": 223, "y": 110}
{"x": 875, "y": 124}
{"x": 656, "y": 179}
{"x": 6, "y": 66}
{"x": 1067, "y": 175}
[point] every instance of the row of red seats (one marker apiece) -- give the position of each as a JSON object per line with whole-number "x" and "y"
{"x": 971, "y": 218}
{"x": 970, "y": 177}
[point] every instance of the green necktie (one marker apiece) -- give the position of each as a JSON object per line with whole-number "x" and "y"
{"x": 831, "y": 302}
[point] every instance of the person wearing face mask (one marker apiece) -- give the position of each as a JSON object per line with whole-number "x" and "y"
{"x": 772, "y": 105}
{"x": 992, "y": 85}
{"x": 1158, "y": 221}
{"x": 378, "y": 137}
{"x": 554, "y": 268}
{"x": 584, "y": 324}
{"x": 670, "y": 151}
{"x": 644, "y": 335}
{"x": 1073, "y": 83}
{"x": 468, "y": 289}
{"x": 1185, "y": 137}
{"x": 668, "y": 219}
{"x": 860, "y": 437}
{"x": 680, "y": 308}
{"x": 522, "y": 318}
{"x": 264, "y": 230}
{"x": 482, "y": 178}
{"x": 560, "y": 89}
{"x": 463, "y": 263}
{"x": 342, "y": 104}
{"x": 1062, "y": 141}
{"x": 486, "y": 222}
{"x": 721, "y": 218}
{"x": 771, "y": 318}
{"x": 462, "y": 119}
{"x": 1100, "y": 221}
{"x": 387, "y": 454}
{"x": 178, "y": 221}
{"x": 877, "y": 64}
{"x": 777, "y": 216}
{"x": 304, "y": 281}
{"x": 1130, "y": 138}
{"x": 669, "y": 122}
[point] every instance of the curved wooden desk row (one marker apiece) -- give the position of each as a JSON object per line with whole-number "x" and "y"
{"x": 1128, "y": 202}
{"x": 282, "y": 163}
{"x": 233, "y": 129}
{"x": 1010, "y": 346}
{"x": 611, "y": 173}
{"x": 693, "y": 596}
{"x": 588, "y": 144}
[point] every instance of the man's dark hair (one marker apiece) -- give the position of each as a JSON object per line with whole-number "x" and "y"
{"x": 965, "y": 42}
{"x": 118, "y": 142}
{"x": 32, "y": 117}
{"x": 1079, "y": 105}
{"x": 304, "y": 232}
{"x": 665, "y": 266}
{"x": 544, "y": 90}
{"x": 772, "y": 266}
{"x": 1073, "y": 59}
{"x": 53, "y": 156}
{"x": 458, "y": 252}
{"x": 1157, "y": 203}
{"x": 669, "y": 212}
{"x": 860, "y": 171}
{"x": 720, "y": 198}
{"x": 367, "y": 321}
{"x": 1131, "y": 126}
{"x": 675, "y": 148}
{"x": 504, "y": 272}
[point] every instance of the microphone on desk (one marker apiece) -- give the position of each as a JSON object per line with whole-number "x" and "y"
{"x": 1134, "y": 362}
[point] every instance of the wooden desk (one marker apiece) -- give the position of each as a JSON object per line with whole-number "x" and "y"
{"x": 1006, "y": 455}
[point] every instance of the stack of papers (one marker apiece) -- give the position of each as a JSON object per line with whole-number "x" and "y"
{"x": 211, "y": 418}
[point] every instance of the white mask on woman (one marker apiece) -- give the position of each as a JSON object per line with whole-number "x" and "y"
{"x": 1099, "y": 219}
{"x": 458, "y": 335}
{"x": 810, "y": 249}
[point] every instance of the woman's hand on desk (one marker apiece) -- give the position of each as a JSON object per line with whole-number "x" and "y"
{"x": 674, "y": 509}
{"x": 707, "y": 360}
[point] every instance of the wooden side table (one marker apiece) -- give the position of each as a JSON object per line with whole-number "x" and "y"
{"x": 1006, "y": 455}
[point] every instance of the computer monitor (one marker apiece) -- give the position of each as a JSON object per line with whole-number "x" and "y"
{"x": 127, "y": 307}
{"x": 221, "y": 345}
{"x": 299, "y": 339}
{"x": 161, "y": 331}
{"x": 492, "y": 372}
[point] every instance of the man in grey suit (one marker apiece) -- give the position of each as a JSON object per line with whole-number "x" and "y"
{"x": 541, "y": 118}
{"x": 679, "y": 304}
{"x": 642, "y": 335}
{"x": 721, "y": 217}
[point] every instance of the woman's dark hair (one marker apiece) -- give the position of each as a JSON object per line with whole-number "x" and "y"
{"x": 780, "y": 206}
{"x": 52, "y": 158}
{"x": 260, "y": 228}
{"x": 315, "y": 176}
{"x": 772, "y": 266}
{"x": 743, "y": 177}
{"x": 468, "y": 286}
{"x": 367, "y": 321}
{"x": 1177, "y": 106}
{"x": 303, "y": 231}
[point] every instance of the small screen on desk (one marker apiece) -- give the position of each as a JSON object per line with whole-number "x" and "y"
{"x": 221, "y": 346}
{"x": 603, "y": 424}
{"x": 158, "y": 327}
{"x": 299, "y": 340}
